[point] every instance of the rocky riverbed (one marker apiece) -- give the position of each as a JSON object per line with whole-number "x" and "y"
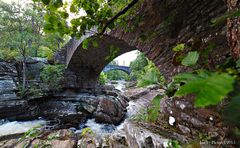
{"x": 101, "y": 117}
{"x": 126, "y": 134}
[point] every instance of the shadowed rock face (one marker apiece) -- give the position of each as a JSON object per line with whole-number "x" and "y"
{"x": 162, "y": 24}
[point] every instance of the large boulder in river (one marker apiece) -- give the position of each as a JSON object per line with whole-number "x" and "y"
{"x": 108, "y": 111}
{"x": 105, "y": 105}
{"x": 63, "y": 111}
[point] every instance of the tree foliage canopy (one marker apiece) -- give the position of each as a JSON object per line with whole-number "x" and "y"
{"x": 21, "y": 29}
{"x": 78, "y": 17}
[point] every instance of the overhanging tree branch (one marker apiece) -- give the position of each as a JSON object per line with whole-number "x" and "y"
{"x": 123, "y": 11}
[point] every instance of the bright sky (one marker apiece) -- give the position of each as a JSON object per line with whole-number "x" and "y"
{"x": 127, "y": 58}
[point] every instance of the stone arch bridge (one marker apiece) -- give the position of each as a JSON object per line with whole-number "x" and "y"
{"x": 125, "y": 69}
{"x": 162, "y": 24}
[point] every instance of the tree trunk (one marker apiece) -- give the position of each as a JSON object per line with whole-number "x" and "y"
{"x": 233, "y": 29}
{"x": 24, "y": 71}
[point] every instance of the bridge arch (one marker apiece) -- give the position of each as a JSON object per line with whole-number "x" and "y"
{"x": 85, "y": 65}
{"x": 109, "y": 67}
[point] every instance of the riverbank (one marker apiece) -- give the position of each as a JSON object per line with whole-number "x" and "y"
{"x": 102, "y": 117}
{"x": 112, "y": 136}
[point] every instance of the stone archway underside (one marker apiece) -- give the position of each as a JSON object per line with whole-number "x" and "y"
{"x": 164, "y": 23}
{"x": 85, "y": 65}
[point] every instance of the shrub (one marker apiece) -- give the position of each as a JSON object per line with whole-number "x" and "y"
{"x": 8, "y": 54}
{"x": 116, "y": 75}
{"x": 45, "y": 52}
{"x": 51, "y": 75}
{"x": 150, "y": 75}
{"x": 139, "y": 63}
{"x": 102, "y": 78}
{"x": 86, "y": 131}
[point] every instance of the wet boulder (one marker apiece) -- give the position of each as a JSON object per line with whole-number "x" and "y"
{"x": 65, "y": 112}
{"x": 104, "y": 105}
{"x": 109, "y": 111}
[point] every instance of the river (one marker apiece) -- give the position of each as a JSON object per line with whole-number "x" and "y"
{"x": 104, "y": 129}
{"x": 16, "y": 127}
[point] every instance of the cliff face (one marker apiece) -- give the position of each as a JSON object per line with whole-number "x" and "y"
{"x": 162, "y": 24}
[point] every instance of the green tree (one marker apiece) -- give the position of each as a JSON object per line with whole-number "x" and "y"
{"x": 102, "y": 78}
{"x": 51, "y": 75}
{"x": 116, "y": 75}
{"x": 21, "y": 34}
{"x": 16, "y": 32}
{"x": 137, "y": 66}
{"x": 139, "y": 63}
{"x": 150, "y": 75}
{"x": 88, "y": 14}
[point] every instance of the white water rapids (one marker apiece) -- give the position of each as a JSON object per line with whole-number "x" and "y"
{"x": 15, "y": 127}
{"x": 103, "y": 129}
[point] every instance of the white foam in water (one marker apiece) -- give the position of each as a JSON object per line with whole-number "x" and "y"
{"x": 120, "y": 85}
{"x": 99, "y": 129}
{"x": 15, "y": 127}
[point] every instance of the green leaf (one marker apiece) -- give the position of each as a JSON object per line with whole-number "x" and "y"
{"x": 85, "y": 43}
{"x": 111, "y": 25}
{"x": 231, "y": 112}
{"x": 224, "y": 17}
{"x": 64, "y": 15}
{"x": 46, "y": 2}
{"x": 179, "y": 47}
{"x": 191, "y": 58}
{"x": 186, "y": 77}
{"x": 238, "y": 63}
{"x": 95, "y": 44}
{"x": 73, "y": 8}
{"x": 143, "y": 37}
{"x": 209, "y": 90}
{"x": 57, "y": 3}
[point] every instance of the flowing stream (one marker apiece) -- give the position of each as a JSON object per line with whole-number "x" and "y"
{"x": 104, "y": 129}
{"x": 16, "y": 127}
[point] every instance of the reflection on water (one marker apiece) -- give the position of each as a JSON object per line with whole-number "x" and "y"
{"x": 15, "y": 127}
